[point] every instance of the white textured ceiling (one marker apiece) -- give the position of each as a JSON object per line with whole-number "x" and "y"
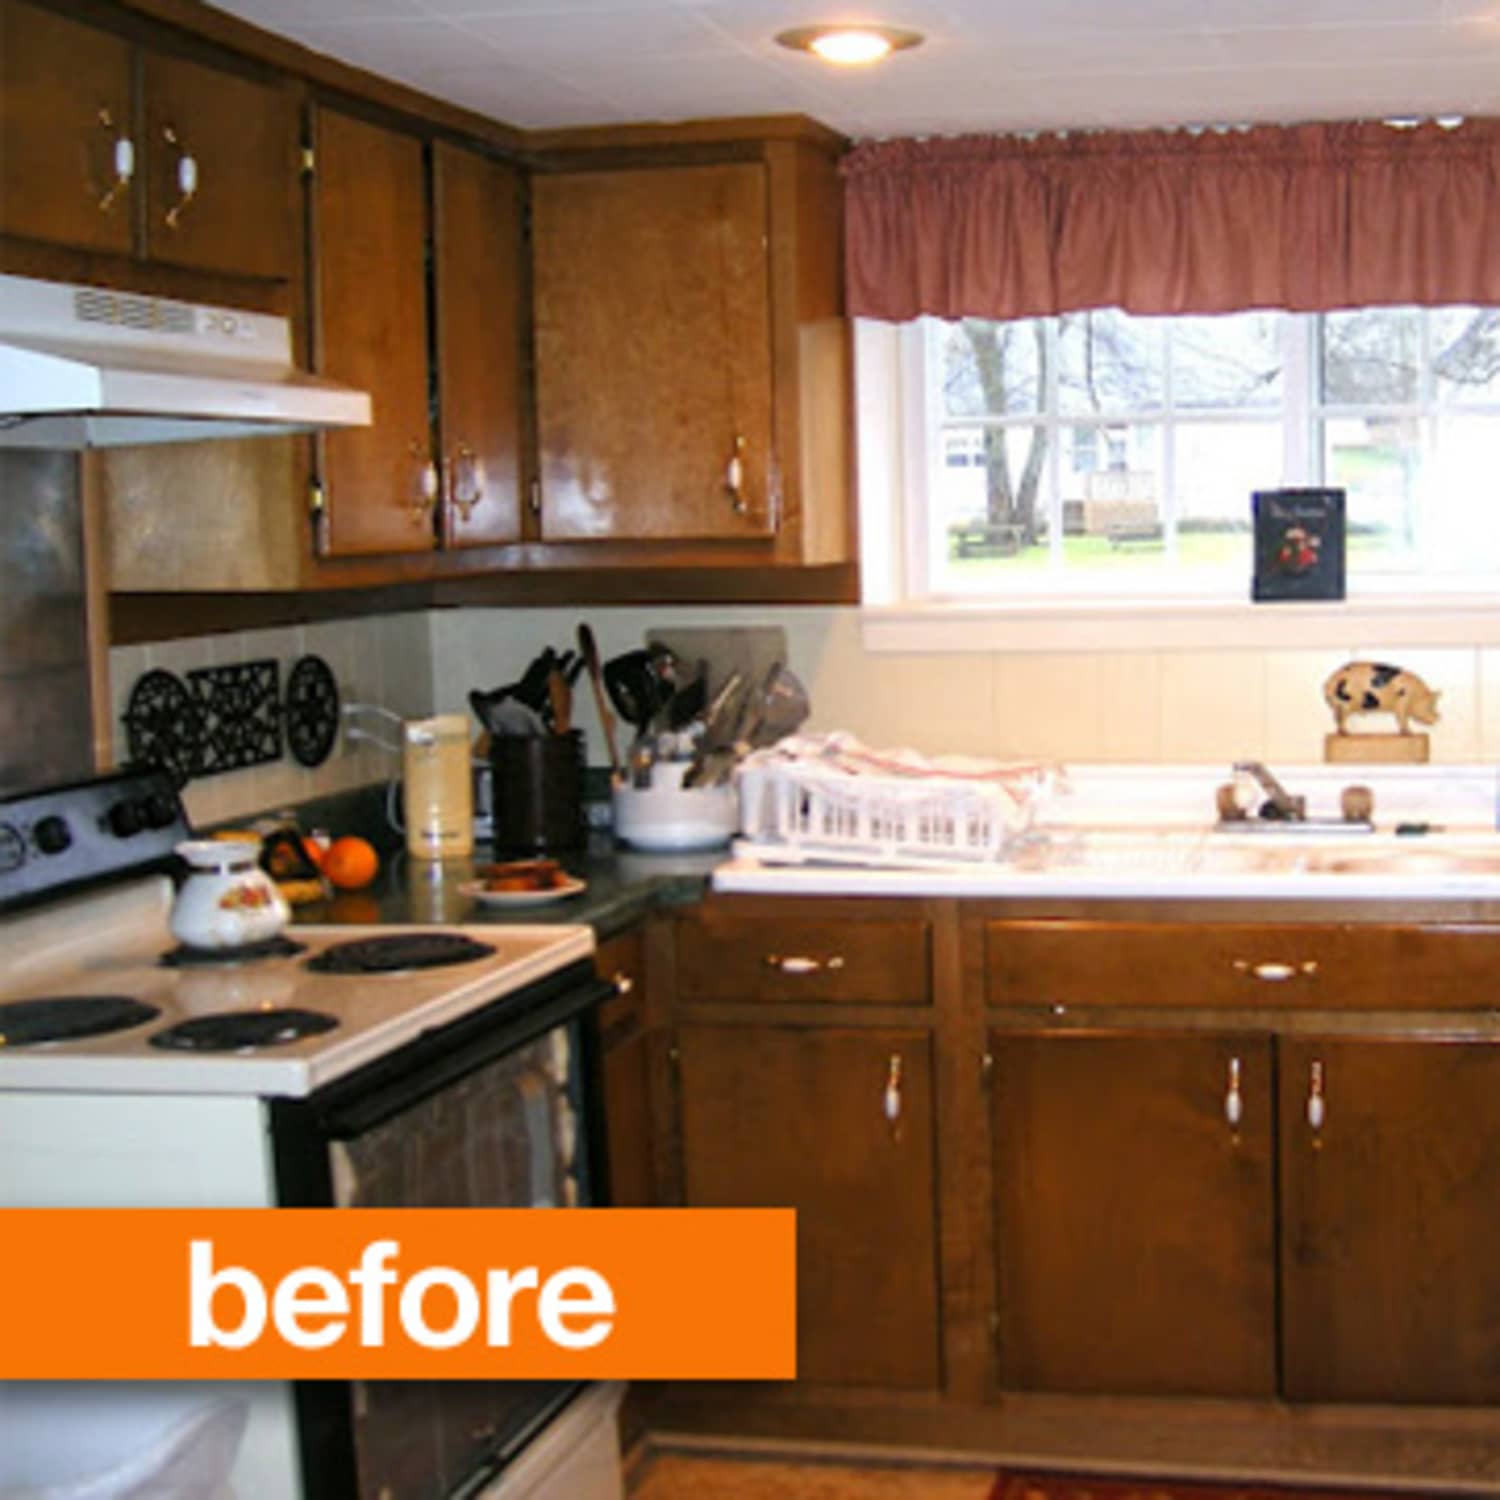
{"x": 986, "y": 64}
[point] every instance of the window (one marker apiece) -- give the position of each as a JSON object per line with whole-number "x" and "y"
{"x": 1100, "y": 454}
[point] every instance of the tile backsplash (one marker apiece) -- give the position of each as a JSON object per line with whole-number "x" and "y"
{"x": 384, "y": 660}
{"x": 1193, "y": 707}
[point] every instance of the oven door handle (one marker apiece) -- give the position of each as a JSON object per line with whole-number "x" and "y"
{"x": 441, "y": 1058}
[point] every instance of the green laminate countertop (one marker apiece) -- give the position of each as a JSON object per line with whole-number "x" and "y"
{"x": 621, "y": 886}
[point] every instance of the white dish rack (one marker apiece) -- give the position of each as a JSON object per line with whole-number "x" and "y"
{"x": 852, "y": 806}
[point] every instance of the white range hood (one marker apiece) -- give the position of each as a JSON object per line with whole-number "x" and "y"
{"x": 83, "y": 367}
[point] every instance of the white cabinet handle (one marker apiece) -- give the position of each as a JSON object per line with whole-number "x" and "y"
{"x": 893, "y": 1090}
{"x": 1273, "y": 972}
{"x": 1234, "y": 1100}
{"x": 1317, "y": 1107}
{"x": 426, "y": 482}
{"x": 122, "y": 159}
{"x": 802, "y": 964}
{"x": 187, "y": 177}
{"x": 465, "y": 480}
{"x": 734, "y": 476}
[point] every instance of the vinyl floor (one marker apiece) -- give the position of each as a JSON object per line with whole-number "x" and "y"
{"x": 682, "y": 1476}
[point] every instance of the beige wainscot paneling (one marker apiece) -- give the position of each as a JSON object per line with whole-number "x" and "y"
{"x": 1488, "y": 675}
{"x": 1047, "y": 706}
{"x": 1297, "y": 717}
{"x": 1213, "y": 705}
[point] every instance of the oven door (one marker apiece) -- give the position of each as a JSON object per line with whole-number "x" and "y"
{"x": 491, "y": 1112}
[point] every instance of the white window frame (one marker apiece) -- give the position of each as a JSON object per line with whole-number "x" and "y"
{"x": 897, "y": 420}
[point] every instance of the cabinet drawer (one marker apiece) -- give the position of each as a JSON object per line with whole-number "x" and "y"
{"x": 880, "y": 961}
{"x": 1310, "y": 965}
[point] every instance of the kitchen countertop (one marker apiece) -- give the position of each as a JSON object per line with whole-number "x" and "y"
{"x": 1170, "y": 863}
{"x": 621, "y": 887}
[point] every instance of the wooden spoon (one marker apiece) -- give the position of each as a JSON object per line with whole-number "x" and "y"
{"x": 590, "y": 650}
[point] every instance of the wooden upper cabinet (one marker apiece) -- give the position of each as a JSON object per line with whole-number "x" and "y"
{"x": 1391, "y": 1281}
{"x": 477, "y": 295}
{"x": 1133, "y": 1221}
{"x": 109, "y": 147}
{"x": 68, "y": 153}
{"x": 653, "y": 354}
{"x": 380, "y": 483}
{"x": 778, "y": 1117}
{"x": 220, "y": 171}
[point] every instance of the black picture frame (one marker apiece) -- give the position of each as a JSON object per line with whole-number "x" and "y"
{"x": 1299, "y": 545}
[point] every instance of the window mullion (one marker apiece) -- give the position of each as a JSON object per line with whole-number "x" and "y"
{"x": 1301, "y": 457}
{"x": 1169, "y": 449}
{"x": 1051, "y": 415}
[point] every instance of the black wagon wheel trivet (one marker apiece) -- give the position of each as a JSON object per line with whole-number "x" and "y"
{"x": 165, "y": 726}
{"x": 241, "y": 707}
{"x": 312, "y": 711}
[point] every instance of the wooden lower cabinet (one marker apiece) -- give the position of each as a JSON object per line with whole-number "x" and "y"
{"x": 794, "y": 1117}
{"x": 1391, "y": 1271}
{"x": 625, "y": 1074}
{"x": 1138, "y": 1249}
{"x": 1133, "y": 1221}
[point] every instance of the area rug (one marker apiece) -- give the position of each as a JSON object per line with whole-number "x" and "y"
{"x": 1035, "y": 1485}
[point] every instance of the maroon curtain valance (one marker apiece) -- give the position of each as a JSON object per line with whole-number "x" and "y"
{"x": 1305, "y": 217}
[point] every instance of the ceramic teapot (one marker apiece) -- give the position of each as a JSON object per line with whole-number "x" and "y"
{"x": 227, "y": 901}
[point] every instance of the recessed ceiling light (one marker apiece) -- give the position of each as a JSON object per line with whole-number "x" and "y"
{"x": 849, "y": 45}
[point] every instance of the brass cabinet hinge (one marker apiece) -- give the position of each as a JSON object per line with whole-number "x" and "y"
{"x": 317, "y": 501}
{"x": 536, "y": 497}
{"x": 309, "y": 161}
{"x": 987, "y": 1069}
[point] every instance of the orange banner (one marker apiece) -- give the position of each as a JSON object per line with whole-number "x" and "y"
{"x": 425, "y": 1294}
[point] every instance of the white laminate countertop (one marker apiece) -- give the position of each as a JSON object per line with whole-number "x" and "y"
{"x": 1145, "y": 833}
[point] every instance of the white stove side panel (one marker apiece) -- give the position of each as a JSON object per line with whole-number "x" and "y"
{"x": 122, "y": 1151}
{"x": 133, "y": 1150}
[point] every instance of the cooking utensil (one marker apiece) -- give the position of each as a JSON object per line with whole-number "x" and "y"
{"x": 719, "y": 721}
{"x": 589, "y": 649}
{"x": 561, "y": 697}
{"x": 635, "y": 686}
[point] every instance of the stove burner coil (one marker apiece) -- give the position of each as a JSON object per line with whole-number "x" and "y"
{"x": 241, "y": 1030}
{"x": 65, "y": 1018}
{"x": 382, "y": 955}
{"x": 185, "y": 957}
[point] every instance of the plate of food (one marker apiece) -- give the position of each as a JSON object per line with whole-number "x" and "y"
{"x": 523, "y": 882}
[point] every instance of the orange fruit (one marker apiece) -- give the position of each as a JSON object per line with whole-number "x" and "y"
{"x": 314, "y": 851}
{"x": 351, "y": 863}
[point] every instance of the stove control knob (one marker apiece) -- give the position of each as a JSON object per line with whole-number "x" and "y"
{"x": 52, "y": 835}
{"x": 160, "y": 810}
{"x": 12, "y": 849}
{"x": 126, "y": 819}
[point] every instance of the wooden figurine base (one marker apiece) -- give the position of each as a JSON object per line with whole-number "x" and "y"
{"x": 1378, "y": 749}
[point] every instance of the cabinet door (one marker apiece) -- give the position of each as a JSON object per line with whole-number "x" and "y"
{"x": 221, "y": 170}
{"x": 625, "y": 1066}
{"x": 65, "y": 112}
{"x": 1391, "y": 1278}
{"x": 653, "y": 353}
{"x": 784, "y": 1118}
{"x": 1133, "y": 1221}
{"x": 477, "y": 264}
{"x": 370, "y": 311}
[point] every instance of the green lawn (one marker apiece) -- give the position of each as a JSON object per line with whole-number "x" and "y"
{"x": 1195, "y": 549}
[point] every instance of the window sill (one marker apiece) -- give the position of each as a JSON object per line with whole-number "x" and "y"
{"x": 1112, "y": 625}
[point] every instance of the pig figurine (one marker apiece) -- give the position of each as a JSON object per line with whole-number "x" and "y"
{"x": 1365, "y": 687}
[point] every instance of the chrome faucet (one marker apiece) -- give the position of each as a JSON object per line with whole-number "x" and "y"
{"x": 1284, "y": 806}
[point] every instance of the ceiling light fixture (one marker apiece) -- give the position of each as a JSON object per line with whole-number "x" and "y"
{"x": 849, "y": 45}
